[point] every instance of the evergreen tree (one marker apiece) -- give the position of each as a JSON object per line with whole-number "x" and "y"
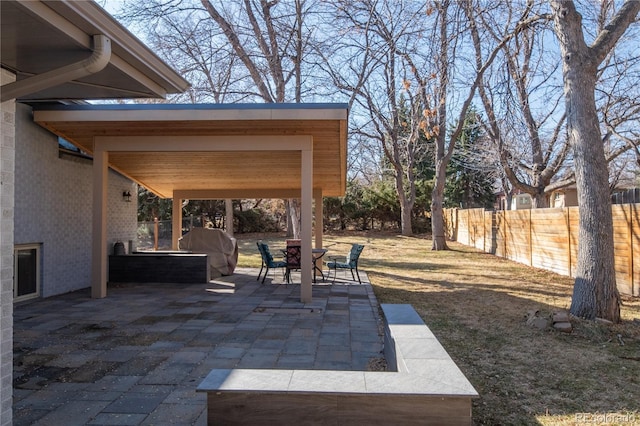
{"x": 470, "y": 183}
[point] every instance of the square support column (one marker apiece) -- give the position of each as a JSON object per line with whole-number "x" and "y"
{"x": 306, "y": 225}
{"x": 228, "y": 205}
{"x": 176, "y": 221}
{"x": 319, "y": 217}
{"x": 99, "y": 225}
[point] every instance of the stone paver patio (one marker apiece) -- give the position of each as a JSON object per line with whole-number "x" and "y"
{"x": 137, "y": 356}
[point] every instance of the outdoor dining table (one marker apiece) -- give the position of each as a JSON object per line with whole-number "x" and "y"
{"x": 317, "y": 255}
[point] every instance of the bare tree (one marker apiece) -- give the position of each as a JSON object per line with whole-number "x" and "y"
{"x": 190, "y": 44}
{"x": 384, "y": 79}
{"x": 198, "y": 51}
{"x": 419, "y": 61}
{"x": 528, "y": 135}
{"x": 235, "y": 51}
{"x": 595, "y": 293}
{"x": 272, "y": 45}
{"x": 618, "y": 103}
{"x": 453, "y": 18}
{"x": 523, "y": 101}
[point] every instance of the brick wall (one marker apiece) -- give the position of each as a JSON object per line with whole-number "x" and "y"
{"x": 53, "y": 207}
{"x": 7, "y": 161}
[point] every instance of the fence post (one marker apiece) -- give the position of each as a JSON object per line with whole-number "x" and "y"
{"x": 630, "y": 243}
{"x": 469, "y": 227}
{"x": 484, "y": 233}
{"x": 457, "y": 224}
{"x": 504, "y": 232}
{"x": 530, "y": 239}
{"x": 156, "y": 229}
{"x": 568, "y": 223}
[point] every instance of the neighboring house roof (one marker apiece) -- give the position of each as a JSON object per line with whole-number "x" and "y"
{"x": 212, "y": 150}
{"x": 84, "y": 51}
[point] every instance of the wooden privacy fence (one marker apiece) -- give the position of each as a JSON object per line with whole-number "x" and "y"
{"x": 548, "y": 238}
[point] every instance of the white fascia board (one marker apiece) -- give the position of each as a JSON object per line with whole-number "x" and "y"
{"x": 202, "y": 143}
{"x": 189, "y": 114}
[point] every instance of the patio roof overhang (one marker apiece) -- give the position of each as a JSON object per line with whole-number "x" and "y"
{"x": 64, "y": 51}
{"x": 211, "y": 151}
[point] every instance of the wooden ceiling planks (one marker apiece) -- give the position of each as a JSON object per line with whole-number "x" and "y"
{"x": 164, "y": 172}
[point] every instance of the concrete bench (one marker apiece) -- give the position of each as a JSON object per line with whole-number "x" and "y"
{"x": 426, "y": 387}
{"x": 159, "y": 267}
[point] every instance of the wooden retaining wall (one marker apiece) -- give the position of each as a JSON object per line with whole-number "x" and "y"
{"x": 548, "y": 238}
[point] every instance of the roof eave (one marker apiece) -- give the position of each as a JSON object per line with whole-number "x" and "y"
{"x": 124, "y": 44}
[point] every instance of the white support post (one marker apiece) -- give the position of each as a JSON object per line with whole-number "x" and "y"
{"x": 176, "y": 221}
{"x": 228, "y": 204}
{"x": 319, "y": 217}
{"x": 319, "y": 220}
{"x": 99, "y": 257}
{"x": 306, "y": 234}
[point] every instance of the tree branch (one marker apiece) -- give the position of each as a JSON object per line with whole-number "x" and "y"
{"x": 611, "y": 33}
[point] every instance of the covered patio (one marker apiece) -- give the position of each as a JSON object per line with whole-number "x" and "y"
{"x": 210, "y": 152}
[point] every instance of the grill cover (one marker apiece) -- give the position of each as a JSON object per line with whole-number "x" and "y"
{"x": 221, "y": 248}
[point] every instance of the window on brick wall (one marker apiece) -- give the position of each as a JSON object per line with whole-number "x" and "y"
{"x": 66, "y": 148}
{"x": 26, "y": 275}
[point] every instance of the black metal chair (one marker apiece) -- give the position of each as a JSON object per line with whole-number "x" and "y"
{"x": 292, "y": 256}
{"x": 350, "y": 262}
{"x": 267, "y": 260}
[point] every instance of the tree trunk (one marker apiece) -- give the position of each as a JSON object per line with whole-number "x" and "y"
{"x": 508, "y": 201}
{"x": 439, "y": 241}
{"x": 405, "y": 219}
{"x": 287, "y": 215}
{"x": 540, "y": 201}
{"x": 406, "y": 206}
{"x": 595, "y": 293}
{"x": 294, "y": 216}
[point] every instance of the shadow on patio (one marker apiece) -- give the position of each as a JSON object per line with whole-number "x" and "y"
{"x": 137, "y": 356}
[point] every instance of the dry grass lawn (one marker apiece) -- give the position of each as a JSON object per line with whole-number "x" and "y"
{"x": 476, "y": 304}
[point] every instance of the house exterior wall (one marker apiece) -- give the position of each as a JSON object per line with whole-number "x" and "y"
{"x": 521, "y": 201}
{"x": 53, "y": 207}
{"x": 7, "y": 179}
{"x": 564, "y": 198}
{"x": 571, "y": 198}
{"x": 557, "y": 200}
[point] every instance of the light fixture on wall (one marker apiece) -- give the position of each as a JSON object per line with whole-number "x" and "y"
{"x": 126, "y": 196}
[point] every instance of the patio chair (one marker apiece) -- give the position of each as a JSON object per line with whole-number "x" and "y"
{"x": 292, "y": 256}
{"x": 350, "y": 262}
{"x": 267, "y": 260}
